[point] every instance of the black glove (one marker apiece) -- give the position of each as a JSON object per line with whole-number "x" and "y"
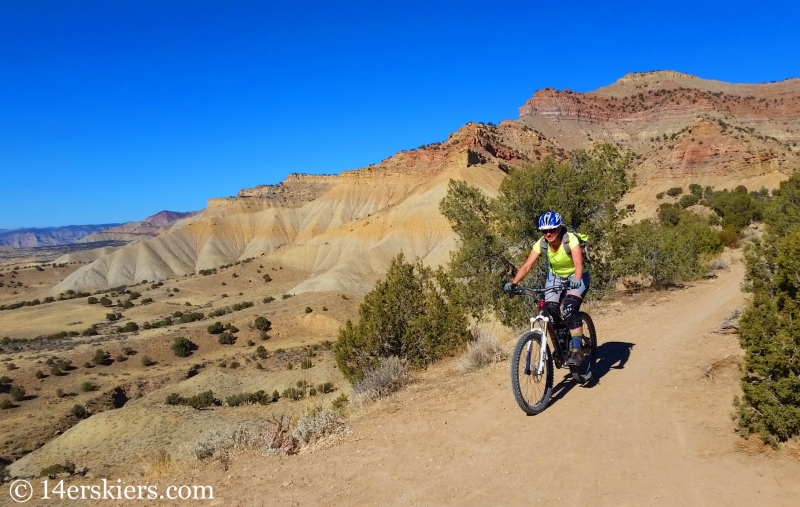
{"x": 509, "y": 287}
{"x": 575, "y": 284}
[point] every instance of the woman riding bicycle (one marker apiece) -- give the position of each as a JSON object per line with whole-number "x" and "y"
{"x": 565, "y": 270}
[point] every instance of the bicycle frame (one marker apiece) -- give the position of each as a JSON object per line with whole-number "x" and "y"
{"x": 546, "y": 324}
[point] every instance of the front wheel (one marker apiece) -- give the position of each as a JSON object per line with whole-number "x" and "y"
{"x": 531, "y": 389}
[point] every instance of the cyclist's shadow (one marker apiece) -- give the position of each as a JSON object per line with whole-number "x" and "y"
{"x": 610, "y": 356}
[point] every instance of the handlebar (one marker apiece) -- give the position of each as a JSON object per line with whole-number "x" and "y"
{"x": 521, "y": 291}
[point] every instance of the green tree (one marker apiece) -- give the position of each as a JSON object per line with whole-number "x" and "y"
{"x": 495, "y": 235}
{"x": 414, "y": 313}
{"x": 770, "y": 326}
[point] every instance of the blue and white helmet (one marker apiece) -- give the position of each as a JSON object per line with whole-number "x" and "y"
{"x": 550, "y": 220}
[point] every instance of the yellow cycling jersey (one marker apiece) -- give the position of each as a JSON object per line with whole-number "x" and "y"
{"x": 560, "y": 262}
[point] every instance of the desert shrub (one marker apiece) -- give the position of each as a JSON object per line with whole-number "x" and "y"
{"x": 53, "y": 470}
{"x": 100, "y": 357}
{"x": 55, "y": 371}
{"x": 92, "y": 300}
{"x": 250, "y": 343}
{"x": 696, "y": 190}
{"x": 216, "y": 328}
{"x": 260, "y": 397}
{"x": 688, "y": 200}
{"x": 88, "y": 387}
{"x": 5, "y": 379}
{"x": 267, "y": 278}
{"x": 660, "y": 195}
{"x": 261, "y": 352}
{"x": 105, "y": 301}
{"x": 262, "y": 324}
{"x": 268, "y": 299}
{"x": 674, "y": 191}
{"x": 414, "y": 313}
{"x": 6, "y": 404}
{"x": 293, "y": 393}
{"x": 286, "y": 296}
{"x": 128, "y": 351}
{"x": 17, "y": 392}
{"x": 482, "y": 351}
{"x": 227, "y": 338}
{"x": 236, "y": 307}
{"x": 60, "y": 393}
{"x": 39, "y": 374}
{"x": 130, "y": 327}
{"x": 769, "y": 328}
{"x": 736, "y": 210}
{"x": 647, "y": 253}
{"x": 235, "y": 364}
{"x": 306, "y": 364}
{"x": 308, "y": 309}
{"x": 325, "y": 388}
{"x": 174, "y": 399}
{"x": 202, "y": 400}
{"x": 121, "y": 358}
{"x": 317, "y": 425}
{"x": 389, "y": 376}
{"x": 11, "y": 366}
{"x": 340, "y": 403}
{"x": 728, "y": 237}
{"x": 146, "y": 301}
{"x": 183, "y": 347}
{"x": 91, "y": 331}
{"x": 669, "y": 214}
{"x": 80, "y": 412}
{"x": 191, "y": 317}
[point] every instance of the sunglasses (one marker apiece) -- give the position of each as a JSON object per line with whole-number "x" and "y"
{"x": 548, "y": 231}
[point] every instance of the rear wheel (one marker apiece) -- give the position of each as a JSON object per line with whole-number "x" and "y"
{"x": 586, "y": 370}
{"x": 531, "y": 389}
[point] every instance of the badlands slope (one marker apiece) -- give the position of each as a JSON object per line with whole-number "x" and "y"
{"x": 342, "y": 230}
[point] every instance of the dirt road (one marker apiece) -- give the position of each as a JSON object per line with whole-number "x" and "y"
{"x": 654, "y": 430}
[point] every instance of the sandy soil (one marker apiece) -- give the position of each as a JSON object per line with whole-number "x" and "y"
{"x": 654, "y": 430}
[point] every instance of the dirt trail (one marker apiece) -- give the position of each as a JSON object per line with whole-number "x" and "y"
{"x": 653, "y": 431}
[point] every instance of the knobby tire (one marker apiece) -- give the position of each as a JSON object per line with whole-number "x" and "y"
{"x": 531, "y": 391}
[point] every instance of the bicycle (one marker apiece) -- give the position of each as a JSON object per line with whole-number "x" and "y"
{"x": 532, "y": 361}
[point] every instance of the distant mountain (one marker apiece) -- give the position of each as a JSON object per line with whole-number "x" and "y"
{"x": 343, "y": 230}
{"x": 145, "y": 229}
{"x": 48, "y": 236}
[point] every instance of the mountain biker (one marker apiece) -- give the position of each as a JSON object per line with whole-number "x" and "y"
{"x": 565, "y": 269}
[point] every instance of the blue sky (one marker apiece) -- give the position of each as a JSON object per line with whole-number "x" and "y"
{"x": 111, "y": 111}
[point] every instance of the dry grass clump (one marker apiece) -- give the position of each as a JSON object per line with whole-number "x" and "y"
{"x": 730, "y": 324}
{"x": 163, "y": 465}
{"x": 273, "y": 439}
{"x": 483, "y": 351}
{"x": 318, "y": 425}
{"x": 717, "y": 264}
{"x": 380, "y": 382}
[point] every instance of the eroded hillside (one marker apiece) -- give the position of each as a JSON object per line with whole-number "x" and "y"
{"x": 342, "y": 230}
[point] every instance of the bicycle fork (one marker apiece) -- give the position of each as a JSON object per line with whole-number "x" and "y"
{"x": 539, "y": 322}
